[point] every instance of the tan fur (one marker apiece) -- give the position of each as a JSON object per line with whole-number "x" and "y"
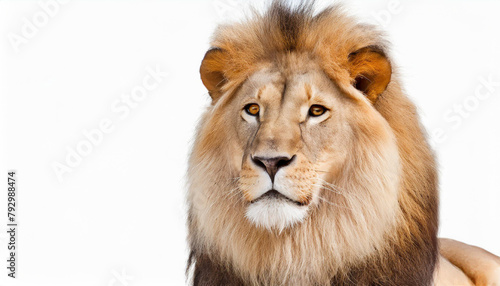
{"x": 482, "y": 267}
{"x": 447, "y": 274}
{"x": 365, "y": 172}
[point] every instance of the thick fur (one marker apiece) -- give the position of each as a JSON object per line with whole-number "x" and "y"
{"x": 377, "y": 226}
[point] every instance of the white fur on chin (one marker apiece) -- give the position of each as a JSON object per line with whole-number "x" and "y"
{"x": 275, "y": 214}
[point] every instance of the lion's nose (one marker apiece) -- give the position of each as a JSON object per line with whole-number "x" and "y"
{"x": 272, "y": 165}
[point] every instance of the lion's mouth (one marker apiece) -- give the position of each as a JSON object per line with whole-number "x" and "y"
{"x": 275, "y": 195}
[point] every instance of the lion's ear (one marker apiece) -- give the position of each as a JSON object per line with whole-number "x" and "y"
{"x": 370, "y": 71}
{"x": 212, "y": 71}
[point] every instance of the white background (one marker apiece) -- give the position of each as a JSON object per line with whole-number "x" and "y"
{"x": 118, "y": 218}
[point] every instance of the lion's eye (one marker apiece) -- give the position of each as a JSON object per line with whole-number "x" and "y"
{"x": 252, "y": 109}
{"x": 317, "y": 110}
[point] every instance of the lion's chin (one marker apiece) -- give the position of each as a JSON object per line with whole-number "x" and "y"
{"x": 275, "y": 214}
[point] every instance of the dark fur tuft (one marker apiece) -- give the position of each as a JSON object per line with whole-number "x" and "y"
{"x": 290, "y": 21}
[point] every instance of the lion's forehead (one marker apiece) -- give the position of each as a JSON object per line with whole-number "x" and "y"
{"x": 287, "y": 90}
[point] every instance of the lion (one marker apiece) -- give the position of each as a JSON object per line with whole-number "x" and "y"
{"x": 310, "y": 166}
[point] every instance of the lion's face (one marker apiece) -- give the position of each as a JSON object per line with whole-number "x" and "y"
{"x": 294, "y": 130}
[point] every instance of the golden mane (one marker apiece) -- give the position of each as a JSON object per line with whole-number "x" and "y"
{"x": 331, "y": 36}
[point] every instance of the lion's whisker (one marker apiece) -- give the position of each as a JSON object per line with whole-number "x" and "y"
{"x": 336, "y": 189}
{"x": 337, "y": 205}
{"x": 330, "y": 184}
{"x": 322, "y": 171}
